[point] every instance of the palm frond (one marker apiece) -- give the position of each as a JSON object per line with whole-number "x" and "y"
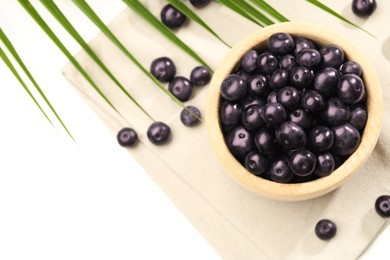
{"x": 334, "y": 13}
{"x": 14, "y": 53}
{"x": 56, "y": 12}
{"x": 179, "y": 5}
{"x": 143, "y": 12}
{"x": 238, "y": 10}
{"x": 38, "y": 19}
{"x": 270, "y": 10}
{"x": 11, "y": 67}
{"x": 99, "y": 23}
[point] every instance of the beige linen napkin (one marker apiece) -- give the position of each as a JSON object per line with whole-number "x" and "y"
{"x": 236, "y": 222}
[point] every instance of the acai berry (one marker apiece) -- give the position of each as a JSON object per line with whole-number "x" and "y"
{"x": 127, "y": 137}
{"x": 172, "y": 17}
{"x": 190, "y": 116}
{"x": 159, "y": 133}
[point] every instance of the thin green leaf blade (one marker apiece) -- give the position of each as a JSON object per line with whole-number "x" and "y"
{"x": 142, "y": 11}
{"x": 264, "y": 20}
{"x": 10, "y": 66}
{"x": 56, "y": 12}
{"x": 12, "y": 50}
{"x": 334, "y": 13}
{"x": 193, "y": 16}
{"x": 34, "y": 14}
{"x": 270, "y": 10}
{"x": 238, "y": 10}
{"x": 99, "y": 23}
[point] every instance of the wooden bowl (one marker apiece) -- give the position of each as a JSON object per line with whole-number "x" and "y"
{"x": 301, "y": 191}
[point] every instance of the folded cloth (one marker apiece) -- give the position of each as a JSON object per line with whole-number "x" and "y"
{"x": 237, "y": 223}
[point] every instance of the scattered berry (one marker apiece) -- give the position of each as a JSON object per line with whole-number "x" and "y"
{"x": 325, "y": 229}
{"x": 159, "y": 133}
{"x": 172, "y": 17}
{"x": 181, "y": 88}
{"x": 127, "y": 137}
{"x": 382, "y": 206}
{"x": 190, "y": 116}
{"x": 200, "y": 76}
{"x": 163, "y": 69}
{"x": 363, "y": 7}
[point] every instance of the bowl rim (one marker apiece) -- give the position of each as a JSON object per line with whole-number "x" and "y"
{"x": 297, "y": 191}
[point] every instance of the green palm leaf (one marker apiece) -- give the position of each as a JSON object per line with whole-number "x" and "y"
{"x": 247, "y": 8}
{"x": 16, "y": 56}
{"x": 34, "y": 14}
{"x": 334, "y": 13}
{"x": 238, "y": 10}
{"x": 19, "y": 78}
{"x": 56, "y": 12}
{"x": 99, "y": 23}
{"x": 270, "y": 10}
{"x": 142, "y": 11}
{"x": 178, "y": 4}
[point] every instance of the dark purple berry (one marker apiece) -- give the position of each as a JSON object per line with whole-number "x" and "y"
{"x": 281, "y": 43}
{"x": 229, "y": 113}
{"x": 321, "y": 138}
{"x": 358, "y": 118}
{"x": 256, "y": 163}
{"x": 336, "y": 112}
{"x": 351, "y": 67}
{"x": 302, "y": 162}
{"x": 163, "y": 69}
{"x": 278, "y": 79}
{"x": 289, "y": 97}
{"x": 273, "y": 113}
{"x": 301, "y": 77}
{"x": 127, "y": 137}
{"x": 301, "y": 117}
{"x": 181, "y": 88}
{"x": 249, "y": 61}
{"x": 325, "y": 229}
{"x": 280, "y": 172}
{"x": 200, "y": 76}
{"x": 325, "y": 165}
{"x": 363, "y": 7}
{"x": 287, "y": 62}
{"x": 233, "y": 88}
{"x": 199, "y": 3}
{"x": 265, "y": 141}
{"x": 258, "y": 85}
{"x": 303, "y": 43}
{"x": 159, "y": 133}
{"x": 267, "y": 63}
{"x": 172, "y": 17}
{"x": 251, "y": 118}
{"x": 272, "y": 97}
{"x": 312, "y": 101}
{"x": 325, "y": 81}
{"x": 332, "y": 56}
{"x": 240, "y": 142}
{"x": 250, "y": 100}
{"x": 190, "y": 116}
{"x": 350, "y": 89}
{"x": 245, "y": 75}
{"x": 309, "y": 58}
{"x": 346, "y": 139}
{"x": 382, "y": 206}
{"x": 290, "y": 135}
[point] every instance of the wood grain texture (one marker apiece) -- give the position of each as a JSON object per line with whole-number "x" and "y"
{"x": 308, "y": 190}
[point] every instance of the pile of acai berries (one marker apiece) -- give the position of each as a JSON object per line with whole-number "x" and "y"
{"x": 293, "y": 111}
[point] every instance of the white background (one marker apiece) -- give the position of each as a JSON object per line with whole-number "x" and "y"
{"x": 90, "y": 200}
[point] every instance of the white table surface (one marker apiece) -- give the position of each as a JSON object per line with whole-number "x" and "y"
{"x": 90, "y": 200}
